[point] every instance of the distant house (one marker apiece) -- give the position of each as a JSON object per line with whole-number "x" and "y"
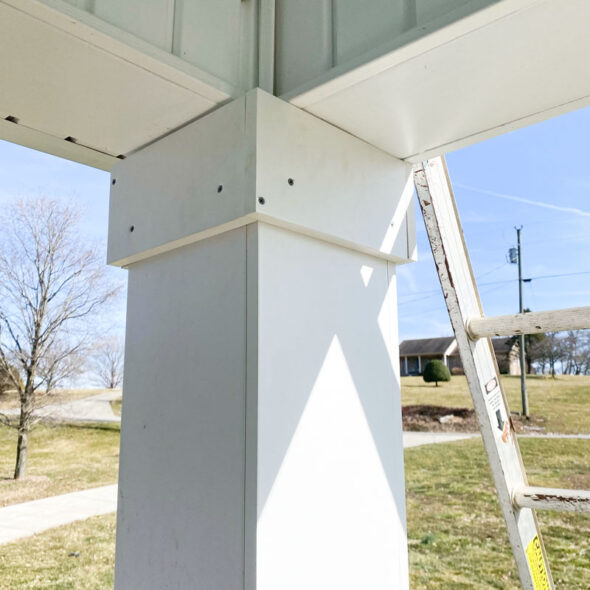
{"x": 414, "y": 354}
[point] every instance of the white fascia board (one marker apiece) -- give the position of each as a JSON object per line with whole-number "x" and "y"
{"x": 34, "y": 139}
{"x": 260, "y": 159}
{"x": 326, "y": 182}
{"x": 451, "y": 349}
{"x": 186, "y": 186}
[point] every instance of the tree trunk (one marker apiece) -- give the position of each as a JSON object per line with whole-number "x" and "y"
{"x": 24, "y": 427}
{"x": 22, "y": 447}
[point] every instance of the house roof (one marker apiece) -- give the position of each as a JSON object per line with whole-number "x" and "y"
{"x": 502, "y": 345}
{"x": 426, "y": 346}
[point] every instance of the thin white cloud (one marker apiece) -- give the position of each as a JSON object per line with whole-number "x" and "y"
{"x": 540, "y": 204}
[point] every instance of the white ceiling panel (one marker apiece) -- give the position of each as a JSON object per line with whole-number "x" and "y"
{"x": 64, "y": 79}
{"x": 515, "y": 63}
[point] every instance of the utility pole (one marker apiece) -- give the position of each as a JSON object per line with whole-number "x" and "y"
{"x": 523, "y": 392}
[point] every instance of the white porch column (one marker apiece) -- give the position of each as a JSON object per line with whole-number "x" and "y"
{"x": 261, "y": 441}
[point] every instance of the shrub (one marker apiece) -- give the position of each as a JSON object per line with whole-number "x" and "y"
{"x": 436, "y": 371}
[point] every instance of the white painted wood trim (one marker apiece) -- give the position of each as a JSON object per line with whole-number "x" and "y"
{"x": 57, "y": 146}
{"x": 266, "y": 45}
{"x": 123, "y": 45}
{"x": 327, "y": 237}
{"x": 534, "y": 322}
{"x": 184, "y": 241}
{"x": 451, "y": 349}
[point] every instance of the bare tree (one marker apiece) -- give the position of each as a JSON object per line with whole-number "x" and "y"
{"x": 107, "y": 363}
{"x": 576, "y": 352}
{"x": 50, "y": 282}
{"x": 549, "y": 352}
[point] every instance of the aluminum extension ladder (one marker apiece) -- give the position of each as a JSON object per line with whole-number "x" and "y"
{"x": 473, "y": 331}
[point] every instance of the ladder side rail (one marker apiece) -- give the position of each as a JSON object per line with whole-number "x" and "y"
{"x": 459, "y": 290}
{"x": 533, "y": 322}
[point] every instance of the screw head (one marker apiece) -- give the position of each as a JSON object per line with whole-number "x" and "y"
{"x": 290, "y": 182}
{"x": 131, "y": 228}
{"x": 261, "y": 200}
{"x": 219, "y": 188}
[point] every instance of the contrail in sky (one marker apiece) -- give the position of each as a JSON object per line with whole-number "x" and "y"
{"x": 523, "y": 200}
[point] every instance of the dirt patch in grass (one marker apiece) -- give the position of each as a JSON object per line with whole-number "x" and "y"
{"x": 560, "y": 405}
{"x": 428, "y": 418}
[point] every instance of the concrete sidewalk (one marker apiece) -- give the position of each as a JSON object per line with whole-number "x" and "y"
{"x": 23, "y": 520}
{"x": 95, "y": 408}
{"x": 417, "y": 439}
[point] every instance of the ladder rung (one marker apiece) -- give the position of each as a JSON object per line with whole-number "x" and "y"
{"x": 552, "y": 499}
{"x": 575, "y": 318}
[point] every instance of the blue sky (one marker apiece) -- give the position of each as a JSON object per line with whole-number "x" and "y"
{"x": 537, "y": 177}
{"x": 28, "y": 173}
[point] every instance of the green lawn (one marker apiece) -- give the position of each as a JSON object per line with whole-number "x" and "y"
{"x": 457, "y": 537}
{"x": 61, "y": 459}
{"x": 560, "y": 405}
{"x": 44, "y": 561}
{"x": 456, "y": 531}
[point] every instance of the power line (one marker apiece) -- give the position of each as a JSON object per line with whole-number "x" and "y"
{"x": 433, "y": 292}
{"x": 485, "y": 274}
{"x": 567, "y": 274}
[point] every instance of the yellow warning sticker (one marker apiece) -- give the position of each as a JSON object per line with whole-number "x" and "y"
{"x": 537, "y": 564}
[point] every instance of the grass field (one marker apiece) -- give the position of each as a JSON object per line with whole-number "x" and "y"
{"x": 61, "y": 459}
{"x": 560, "y": 405}
{"x": 457, "y": 537}
{"x": 44, "y": 561}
